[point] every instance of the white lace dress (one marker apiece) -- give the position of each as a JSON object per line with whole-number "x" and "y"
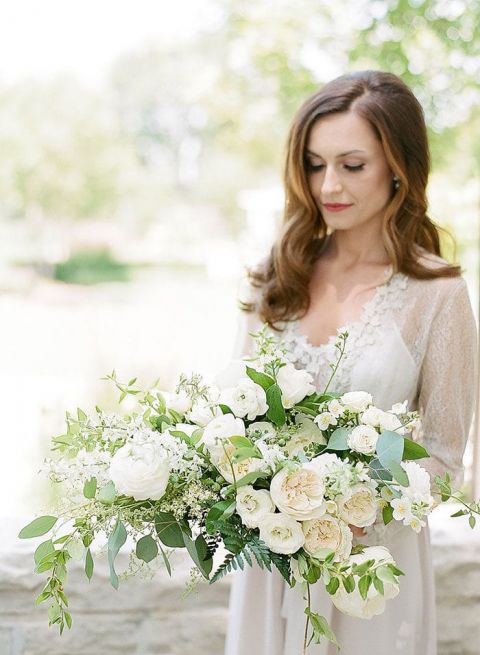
{"x": 415, "y": 340}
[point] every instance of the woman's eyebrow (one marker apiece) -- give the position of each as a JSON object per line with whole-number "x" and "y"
{"x": 342, "y": 154}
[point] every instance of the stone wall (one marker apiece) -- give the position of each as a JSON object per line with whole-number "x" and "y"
{"x": 152, "y": 618}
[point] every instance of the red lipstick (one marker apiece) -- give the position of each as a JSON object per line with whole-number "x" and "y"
{"x": 335, "y": 207}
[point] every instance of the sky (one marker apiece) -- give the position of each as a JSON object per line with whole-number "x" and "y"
{"x": 41, "y": 38}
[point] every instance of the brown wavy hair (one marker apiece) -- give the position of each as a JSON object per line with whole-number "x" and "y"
{"x": 398, "y": 121}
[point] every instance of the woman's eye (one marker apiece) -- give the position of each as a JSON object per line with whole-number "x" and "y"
{"x": 314, "y": 167}
{"x": 353, "y": 169}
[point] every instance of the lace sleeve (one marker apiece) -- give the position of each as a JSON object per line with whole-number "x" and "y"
{"x": 447, "y": 384}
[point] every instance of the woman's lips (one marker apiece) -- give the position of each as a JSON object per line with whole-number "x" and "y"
{"x": 335, "y": 207}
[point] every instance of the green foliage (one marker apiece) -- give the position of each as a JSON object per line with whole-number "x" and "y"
{"x": 320, "y": 629}
{"x": 115, "y": 541}
{"x": 38, "y": 527}
{"x": 169, "y": 530}
{"x": 146, "y": 548}
{"x": 276, "y": 411}
{"x": 338, "y": 439}
{"x": 91, "y": 267}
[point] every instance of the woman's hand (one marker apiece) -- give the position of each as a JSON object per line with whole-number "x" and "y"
{"x": 357, "y": 532}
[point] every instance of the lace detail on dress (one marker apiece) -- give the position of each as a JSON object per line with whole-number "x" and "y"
{"x": 316, "y": 360}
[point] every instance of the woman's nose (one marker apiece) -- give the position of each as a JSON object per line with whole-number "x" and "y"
{"x": 331, "y": 182}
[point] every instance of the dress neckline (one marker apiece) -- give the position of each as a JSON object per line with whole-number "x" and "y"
{"x": 366, "y": 309}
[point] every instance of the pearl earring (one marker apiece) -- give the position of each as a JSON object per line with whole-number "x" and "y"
{"x": 396, "y": 182}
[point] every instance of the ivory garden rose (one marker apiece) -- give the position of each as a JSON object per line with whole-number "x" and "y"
{"x": 295, "y": 384}
{"x": 359, "y": 506}
{"x": 140, "y": 470}
{"x": 299, "y": 492}
{"x": 327, "y": 533}
{"x": 253, "y": 504}
{"x": 281, "y": 533}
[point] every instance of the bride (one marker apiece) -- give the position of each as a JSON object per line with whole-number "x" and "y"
{"x": 357, "y": 252}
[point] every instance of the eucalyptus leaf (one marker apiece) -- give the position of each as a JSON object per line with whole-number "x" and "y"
{"x": 146, "y": 548}
{"x": 38, "y": 527}
{"x": 107, "y": 494}
{"x": 88, "y": 564}
{"x": 338, "y": 439}
{"x": 199, "y": 553}
{"x": 115, "y": 541}
{"x": 90, "y": 488}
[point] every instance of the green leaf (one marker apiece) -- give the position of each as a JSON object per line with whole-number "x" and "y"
{"x": 471, "y": 521}
{"x": 146, "y": 548}
{"x": 168, "y": 530}
{"x": 385, "y": 574}
{"x": 387, "y": 514}
{"x": 364, "y": 585}
{"x": 349, "y": 583}
{"x": 276, "y": 411}
{"x": 241, "y": 442}
{"x": 320, "y": 628}
{"x": 54, "y": 612}
{"x": 107, "y": 494}
{"x": 338, "y": 439}
{"x": 44, "y": 549}
{"x": 68, "y": 619}
{"x": 360, "y": 569}
{"x": 199, "y": 553}
{"x": 378, "y": 584}
{"x": 251, "y": 477}
{"x": 81, "y": 414}
{"x": 115, "y": 541}
{"x": 378, "y": 471}
{"x": 461, "y": 512}
{"x": 413, "y": 450}
{"x": 166, "y": 561}
{"x": 245, "y": 453}
{"x": 399, "y": 474}
{"x": 389, "y": 448}
{"x": 263, "y": 380}
{"x": 38, "y": 527}
{"x": 89, "y": 564}
{"x": 90, "y": 488}
{"x": 333, "y": 585}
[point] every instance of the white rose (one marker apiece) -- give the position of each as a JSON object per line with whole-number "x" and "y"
{"x": 356, "y": 401}
{"x": 352, "y": 603}
{"x": 221, "y": 457}
{"x": 299, "y": 493}
{"x": 391, "y": 422}
{"x": 253, "y": 504}
{"x": 327, "y": 533}
{"x": 372, "y": 416}
{"x": 140, "y": 471}
{"x": 202, "y": 412}
{"x": 281, "y": 533}
{"x": 179, "y": 402}
{"x": 358, "y": 506}
{"x": 221, "y": 428}
{"x": 363, "y": 439}
{"x": 295, "y": 385}
{"x": 400, "y": 408}
{"x": 246, "y": 399}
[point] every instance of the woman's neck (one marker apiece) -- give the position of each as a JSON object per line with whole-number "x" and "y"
{"x": 352, "y": 248}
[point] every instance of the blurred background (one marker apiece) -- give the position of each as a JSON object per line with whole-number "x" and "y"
{"x": 141, "y": 150}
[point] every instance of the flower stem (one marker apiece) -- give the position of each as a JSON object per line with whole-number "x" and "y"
{"x": 307, "y": 622}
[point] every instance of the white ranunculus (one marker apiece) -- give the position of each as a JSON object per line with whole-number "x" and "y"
{"x": 295, "y": 385}
{"x": 245, "y": 399}
{"x": 363, "y": 439}
{"x": 358, "y": 506}
{"x": 327, "y": 533}
{"x": 140, "y": 471}
{"x": 371, "y": 416}
{"x": 231, "y": 375}
{"x": 180, "y": 402}
{"x": 281, "y": 533}
{"x": 352, "y": 603}
{"x": 299, "y": 492}
{"x": 221, "y": 457}
{"x": 221, "y": 428}
{"x": 356, "y": 401}
{"x": 253, "y": 504}
{"x": 203, "y": 412}
{"x": 306, "y": 434}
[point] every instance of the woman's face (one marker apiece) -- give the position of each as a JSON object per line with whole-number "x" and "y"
{"x": 346, "y": 164}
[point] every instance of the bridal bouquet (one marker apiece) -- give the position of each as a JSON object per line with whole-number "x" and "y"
{"x": 258, "y": 467}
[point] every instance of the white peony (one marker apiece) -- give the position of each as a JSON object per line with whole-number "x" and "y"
{"x": 295, "y": 385}
{"x": 352, "y": 603}
{"x": 140, "y": 471}
{"x": 356, "y": 401}
{"x": 363, "y": 439}
{"x": 281, "y": 533}
{"x": 253, "y": 504}
{"x": 358, "y": 506}
{"x": 299, "y": 492}
{"x": 419, "y": 487}
{"x": 327, "y": 533}
{"x": 221, "y": 428}
{"x": 245, "y": 399}
{"x": 179, "y": 402}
